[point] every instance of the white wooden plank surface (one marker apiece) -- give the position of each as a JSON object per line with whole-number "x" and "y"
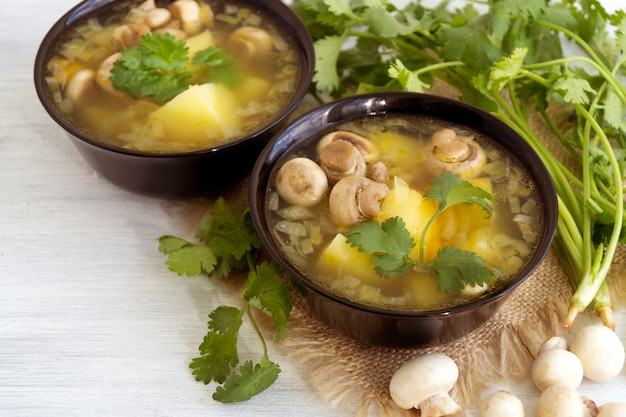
{"x": 91, "y": 322}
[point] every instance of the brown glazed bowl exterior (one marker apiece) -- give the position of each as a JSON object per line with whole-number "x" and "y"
{"x": 183, "y": 174}
{"x": 383, "y": 327}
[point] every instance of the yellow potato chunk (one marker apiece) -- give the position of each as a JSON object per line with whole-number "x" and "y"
{"x": 341, "y": 256}
{"x": 204, "y": 113}
{"x": 199, "y": 42}
{"x": 482, "y": 182}
{"x": 409, "y": 204}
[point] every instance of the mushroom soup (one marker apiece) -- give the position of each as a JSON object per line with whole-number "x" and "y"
{"x": 238, "y": 72}
{"x": 366, "y": 174}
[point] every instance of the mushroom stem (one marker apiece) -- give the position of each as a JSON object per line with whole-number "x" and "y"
{"x": 440, "y": 404}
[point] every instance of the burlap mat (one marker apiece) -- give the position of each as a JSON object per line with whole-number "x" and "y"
{"x": 354, "y": 376}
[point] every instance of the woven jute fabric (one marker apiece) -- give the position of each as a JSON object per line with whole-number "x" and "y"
{"x": 355, "y": 376}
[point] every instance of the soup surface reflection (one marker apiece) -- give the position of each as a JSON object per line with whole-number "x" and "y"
{"x": 244, "y": 87}
{"x": 398, "y": 159}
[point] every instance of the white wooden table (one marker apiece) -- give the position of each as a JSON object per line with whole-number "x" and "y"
{"x": 91, "y": 321}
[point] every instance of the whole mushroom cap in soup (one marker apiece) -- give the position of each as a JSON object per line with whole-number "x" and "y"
{"x": 341, "y": 159}
{"x": 368, "y": 150}
{"x": 301, "y": 181}
{"x": 454, "y": 153}
{"x": 250, "y": 42}
{"x": 354, "y": 199}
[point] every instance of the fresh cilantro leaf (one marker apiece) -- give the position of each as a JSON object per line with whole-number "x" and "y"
{"x": 219, "y": 349}
{"x": 231, "y": 232}
{"x": 507, "y": 69}
{"x": 389, "y": 243}
{"x": 169, "y": 244}
{"x": 155, "y": 68}
{"x": 384, "y": 23}
{"x": 320, "y": 19}
{"x": 158, "y": 68}
{"x": 186, "y": 258}
{"x": 503, "y": 13}
{"x": 339, "y": 7}
{"x": 449, "y": 189}
{"x": 573, "y": 89}
{"x": 409, "y": 80}
{"x": 614, "y": 110}
{"x": 470, "y": 44}
{"x": 251, "y": 380}
{"x": 456, "y": 268}
{"x": 266, "y": 291}
{"x": 326, "y": 54}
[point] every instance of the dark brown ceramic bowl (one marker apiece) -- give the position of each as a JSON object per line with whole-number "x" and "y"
{"x": 385, "y": 327}
{"x": 182, "y": 174}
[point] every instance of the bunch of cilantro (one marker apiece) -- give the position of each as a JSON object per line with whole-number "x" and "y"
{"x": 390, "y": 243}
{"x": 506, "y": 56}
{"x": 159, "y": 68}
{"x": 229, "y": 242}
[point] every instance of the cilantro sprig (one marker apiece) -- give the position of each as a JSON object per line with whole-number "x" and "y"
{"x": 390, "y": 243}
{"x": 228, "y": 241}
{"x": 159, "y": 68}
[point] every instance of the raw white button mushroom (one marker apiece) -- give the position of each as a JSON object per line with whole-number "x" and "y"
{"x": 424, "y": 383}
{"x": 612, "y": 410}
{"x": 560, "y": 400}
{"x": 128, "y": 35}
{"x": 368, "y": 150}
{"x": 188, "y": 13}
{"x": 79, "y": 86}
{"x": 354, "y": 199}
{"x": 600, "y": 351}
{"x": 301, "y": 181}
{"x": 250, "y": 42}
{"x": 501, "y": 404}
{"x": 453, "y": 153}
{"x": 341, "y": 159}
{"x": 556, "y": 366}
